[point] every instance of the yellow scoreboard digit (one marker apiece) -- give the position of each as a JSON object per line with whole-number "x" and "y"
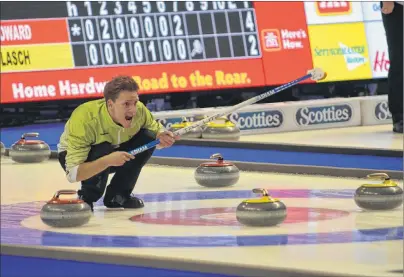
{"x": 341, "y": 50}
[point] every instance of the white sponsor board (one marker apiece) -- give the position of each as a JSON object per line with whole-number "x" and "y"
{"x": 375, "y": 110}
{"x": 378, "y": 51}
{"x": 295, "y": 116}
{"x": 328, "y": 113}
{"x": 261, "y": 118}
{"x": 326, "y": 12}
{"x": 281, "y": 117}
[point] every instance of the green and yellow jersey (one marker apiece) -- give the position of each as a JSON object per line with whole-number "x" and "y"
{"x": 90, "y": 124}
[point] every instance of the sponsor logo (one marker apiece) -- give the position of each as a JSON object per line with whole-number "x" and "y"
{"x": 257, "y": 120}
{"x": 275, "y": 40}
{"x": 332, "y": 8}
{"x": 344, "y": 54}
{"x": 376, "y": 7}
{"x": 323, "y": 115}
{"x": 167, "y": 122}
{"x": 272, "y": 40}
{"x": 381, "y": 62}
{"x": 382, "y": 111}
{"x": 378, "y": 50}
{"x": 353, "y": 56}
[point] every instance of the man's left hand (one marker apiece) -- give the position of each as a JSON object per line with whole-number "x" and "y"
{"x": 166, "y": 138}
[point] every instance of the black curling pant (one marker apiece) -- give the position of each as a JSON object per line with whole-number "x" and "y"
{"x": 393, "y": 25}
{"x": 125, "y": 178}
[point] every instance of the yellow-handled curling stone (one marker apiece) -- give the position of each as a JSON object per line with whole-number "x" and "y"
{"x": 63, "y": 213}
{"x": 264, "y": 211}
{"x": 384, "y": 196}
{"x": 29, "y": 151}
{"x": 217, "y": 174}
{"x": 193, "y": 133}
{"x": 221, "y": 128}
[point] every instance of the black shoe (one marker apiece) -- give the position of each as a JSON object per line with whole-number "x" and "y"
{"x": 398, "y": 127}
{"x": 82, "y": 197}
{"x": 130, "y": 202}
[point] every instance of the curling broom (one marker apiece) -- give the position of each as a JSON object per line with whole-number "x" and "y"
{"x": 315, "y": 74}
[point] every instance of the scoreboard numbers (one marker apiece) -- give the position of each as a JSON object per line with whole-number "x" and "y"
{"x": 107, "y": 33}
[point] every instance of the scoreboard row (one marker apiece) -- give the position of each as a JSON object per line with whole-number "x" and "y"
{"x": 67, "y": 49}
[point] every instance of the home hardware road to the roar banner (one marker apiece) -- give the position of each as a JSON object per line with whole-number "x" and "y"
{"x": 65, "y": 50}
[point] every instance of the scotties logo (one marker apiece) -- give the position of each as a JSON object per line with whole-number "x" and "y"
{"x": 167, "y": 122}
{"x": 382, "y": 111}
{"x": 323, "y": 115}
{"x": 257, "y": 120}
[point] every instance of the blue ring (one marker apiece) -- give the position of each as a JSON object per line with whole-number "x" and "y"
{"x": 14, "y": 233}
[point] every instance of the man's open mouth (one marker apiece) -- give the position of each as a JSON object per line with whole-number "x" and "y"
{"x": 128, "y": 118}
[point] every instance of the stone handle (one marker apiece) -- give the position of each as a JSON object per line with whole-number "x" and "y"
{"x": 378, "y": 176}
{"x": 264, "y": 192}
{"x": 217, "y": 156}
{"x": 29, "y": 135}
{"x": 60, "y": 192}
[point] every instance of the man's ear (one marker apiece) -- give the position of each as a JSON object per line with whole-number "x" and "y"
{"x": 109, "y": 103}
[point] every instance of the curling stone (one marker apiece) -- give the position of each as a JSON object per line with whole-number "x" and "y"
{"x": 29, "y": 151}
{"x": 62, "y": 213}
{"x": 217, "y": 174}
{"x": 193, "y": 133}
{"x": 265, "y": 211}
{"x": 385, "y": 196}
{"x": 222, "y": 128}
{"x": 2, "y": 149}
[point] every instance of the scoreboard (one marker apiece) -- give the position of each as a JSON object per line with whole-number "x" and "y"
{"x": 112, "y": 33}
{"x": 68, "y": 50}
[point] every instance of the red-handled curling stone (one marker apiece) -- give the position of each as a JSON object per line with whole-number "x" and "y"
{"x": 217, "y": 174}
{"x": 63, "y": 213}
{"x": 29, "y": 151}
